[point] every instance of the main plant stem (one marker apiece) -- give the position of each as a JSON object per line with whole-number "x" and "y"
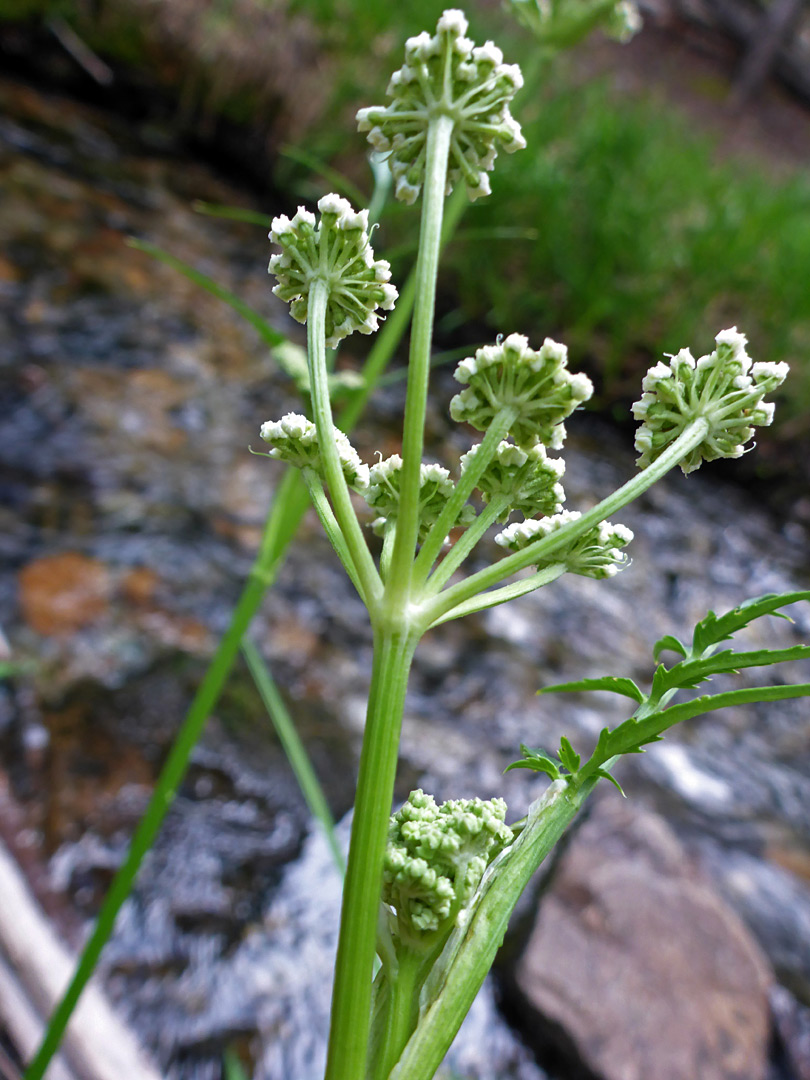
{"x": 439, "y": 134}
{"x": 396, "y": 636}
{"x": 351, "y": 1000}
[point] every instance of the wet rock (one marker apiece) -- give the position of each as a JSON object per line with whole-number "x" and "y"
{"x": 776, "y": 906}
{"x": 635, "y": 968}
{"x": 792, "y": 1022}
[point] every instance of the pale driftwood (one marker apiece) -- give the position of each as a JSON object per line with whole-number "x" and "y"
{"x": 23, "y": 1024}
{"x": 98, "y": 1045}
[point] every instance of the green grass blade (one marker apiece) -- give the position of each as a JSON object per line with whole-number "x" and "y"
{"x": 293, "y": 747}
{"x": 233, "y": 213}
{"x": 267, "y": 333}
{"x": 340, "y": 183}
{"x": 232, "y": 1067}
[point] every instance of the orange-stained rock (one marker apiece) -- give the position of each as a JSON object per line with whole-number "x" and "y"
{"x": 59, "y": 594}
{"x": 139, "y": 584}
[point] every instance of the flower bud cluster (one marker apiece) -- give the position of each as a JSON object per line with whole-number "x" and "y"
{"x": 597, "y": 554}
{"x": 435, "y": 859}
{"x": 562, "y": 24}
{"x": 336, "y": 251}
{"x": 723, "y": 387}
{"x": 435, "y": 488}
{"x": 527, "y": 477}
{"x": 294, "y": 439}
{"x": 444, "y": 74}
{"x": 536, "y": 383}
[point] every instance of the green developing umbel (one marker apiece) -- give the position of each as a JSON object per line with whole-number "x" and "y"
{"x": 435, "y": 488}
{"x": 527, "y": 477}
{"x": 434, "y": 862}
{"x": 294, "y": 439}
{"x": 535, "y": 382}
{"x": 336, "y": 252}
{"x": 444, "y": 74}
{"x": 597, "y": 554}
{"x": 722, "y": 387}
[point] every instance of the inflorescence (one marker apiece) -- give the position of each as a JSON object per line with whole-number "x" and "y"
{"x": 527, "y": 479}
{"x": 435, "y": 859}
{"x": 597, "y": 553}
{"x": 536, "y": 383}
{"x": 445, "y": 74}
{"x": 337, "y": 253}
{"x": 294, "y": 439}
{"x": 383, "y": 493}
{"x": 722, "y": 387}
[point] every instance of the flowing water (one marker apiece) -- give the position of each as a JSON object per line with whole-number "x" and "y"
{"x": 130, "y": 513}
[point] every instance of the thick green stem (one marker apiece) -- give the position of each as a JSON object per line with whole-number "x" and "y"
{"x": 440, "y": 130}
{"x": 355, "y": 542}
{"x": 691, "y": 437}
{"x": 351, "y": 997}
{"x": 402, "y": 1010}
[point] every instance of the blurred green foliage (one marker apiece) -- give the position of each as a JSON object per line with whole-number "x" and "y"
{"x": 645, "y": 239}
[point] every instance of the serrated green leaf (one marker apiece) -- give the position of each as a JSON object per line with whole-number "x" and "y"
{"x": 568, "y": 756}
{"x": 609, "y": 776}
{"x": 691, "y": 673}
{"x": 538, "y": 760}
{"x": 671, "y": 643}
{"x": 714, "y": 628}
{"x": 612, "y": 683}
{"x": 543, "y": 765}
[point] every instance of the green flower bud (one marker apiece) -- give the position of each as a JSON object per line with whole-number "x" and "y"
{"x": 435, "y": 859}
{"x": 436, "y": 487}
{"x": 446, "y": 75}
{"x": 722, "y": 387}
{"x": 294, "y": 439}
{"x": 336, "y": 252}
{"x": 526, "y": 476}
{"x": 597, "y": 554}
{"x": 538, "y": 384}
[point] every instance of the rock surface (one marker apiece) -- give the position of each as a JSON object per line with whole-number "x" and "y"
{"x": 637, "y": 967}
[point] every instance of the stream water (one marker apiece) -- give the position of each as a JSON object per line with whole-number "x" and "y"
{"x": 130, "y": 513}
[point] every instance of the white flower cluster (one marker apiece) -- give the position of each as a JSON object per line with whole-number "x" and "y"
{"x": 294, "y": 439}
{"x": 562, "y": 23}
{"x": 527, "y": 477}
{"x": 724, "y": 387}
{"x": 446, "y": 75}
{"x": 337, "y": 252}
{"x": 537, "y": 383}
{"x": 435, "y": 489}
{"x": 597, "y": 554}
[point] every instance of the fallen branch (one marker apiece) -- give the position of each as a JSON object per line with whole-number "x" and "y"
{"x": 35, "y": 968}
